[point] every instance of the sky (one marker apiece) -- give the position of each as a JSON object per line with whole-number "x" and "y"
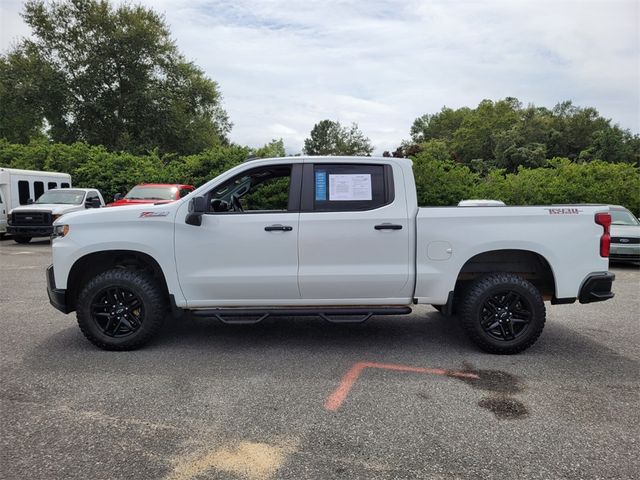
{"x": 283, "y": 66}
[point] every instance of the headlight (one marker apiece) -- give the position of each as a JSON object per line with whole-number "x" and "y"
{"x": 60, "y": 231}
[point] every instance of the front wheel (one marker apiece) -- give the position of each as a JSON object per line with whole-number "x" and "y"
{"x": 502, "y": 313}
{"x": 22, "y": 239}
{"x": 121, "y": 309}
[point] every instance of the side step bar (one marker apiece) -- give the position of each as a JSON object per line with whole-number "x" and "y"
{"x": 248, "y": 316}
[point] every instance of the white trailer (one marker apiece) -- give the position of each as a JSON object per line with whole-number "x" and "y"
{"x": 17, "y": 187}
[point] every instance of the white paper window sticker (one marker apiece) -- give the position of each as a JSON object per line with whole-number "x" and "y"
{"x": 350, "y": 187}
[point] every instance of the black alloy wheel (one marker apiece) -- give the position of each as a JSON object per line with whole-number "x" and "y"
{"x": 506, "y": 315}
{"x": 117, "y": 312}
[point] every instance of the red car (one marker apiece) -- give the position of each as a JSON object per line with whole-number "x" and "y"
{"x": 152, "y": 193}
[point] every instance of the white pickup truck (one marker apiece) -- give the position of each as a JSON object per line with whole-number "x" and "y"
{"x": 36, "y": 218}
{"x": 338, "y": 237}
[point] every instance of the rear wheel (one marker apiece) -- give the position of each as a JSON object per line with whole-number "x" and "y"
{"x": 121, "y": 309}
{"x": 502, "y": 313}
{"x": 22, "y": 239}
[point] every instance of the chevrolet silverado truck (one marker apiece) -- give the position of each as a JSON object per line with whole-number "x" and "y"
{"x": 338, "y": 237}
{"x": 36, "y": 219}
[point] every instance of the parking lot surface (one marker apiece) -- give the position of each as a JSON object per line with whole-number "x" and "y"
{"x": 298, "y": 398}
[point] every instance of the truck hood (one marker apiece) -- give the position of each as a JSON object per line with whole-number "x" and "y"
{"x": 54, "y": 208}
{"x": 631, "y": 231}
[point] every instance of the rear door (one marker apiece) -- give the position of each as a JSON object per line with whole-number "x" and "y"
{"x": 354, "y": 234}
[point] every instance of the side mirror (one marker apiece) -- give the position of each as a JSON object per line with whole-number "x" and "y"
{"x": 117, "y": 196}
{"x": 93, "y": 203}
{"x": 30, "y": 201}
{"x": 197, "y": 206}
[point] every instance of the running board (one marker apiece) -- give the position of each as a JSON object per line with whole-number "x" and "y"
{"x": 249, "y": 316}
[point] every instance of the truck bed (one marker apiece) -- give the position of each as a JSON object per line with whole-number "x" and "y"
{"x": 451, "y": 239}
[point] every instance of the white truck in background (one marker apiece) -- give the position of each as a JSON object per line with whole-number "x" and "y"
{"x": 36, "y": 219}
{"x": 339, "y": 237}
{"x": 18, "y": 187}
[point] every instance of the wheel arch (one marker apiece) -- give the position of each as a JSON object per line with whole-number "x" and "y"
{"x": 94, "y": 263}
{"x": 528, "y": 264}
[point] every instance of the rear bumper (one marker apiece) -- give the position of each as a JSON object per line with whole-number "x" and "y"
{"x": 597, "y": 288}
{"x": 57, "y": 297}
{"x": 30, "y": 230}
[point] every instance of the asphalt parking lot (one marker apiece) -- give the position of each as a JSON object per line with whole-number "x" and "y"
{"x": 396, "y": 397}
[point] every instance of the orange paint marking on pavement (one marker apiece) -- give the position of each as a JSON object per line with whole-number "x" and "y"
{"x": 335, "y": 400}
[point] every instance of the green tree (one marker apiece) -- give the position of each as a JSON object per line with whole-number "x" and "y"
{"x": 273, "y": 149}
{"x": 117, "y": 79}
{"x": 331, "y": 138}
{"x": 508, "y": 135}
{"x": 25, "y": 79}
{"x": 441, "y": 125}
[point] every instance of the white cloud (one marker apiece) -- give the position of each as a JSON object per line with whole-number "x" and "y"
{"x": 285, "y": 65}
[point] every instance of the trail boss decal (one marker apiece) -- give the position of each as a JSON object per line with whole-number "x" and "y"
{"x": 153, "y": 214}
{"x": 564, "y": 211}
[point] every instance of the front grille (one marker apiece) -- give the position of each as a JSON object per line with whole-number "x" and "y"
{"x": 625, "y": 240}
{"x": 31, "y": 218}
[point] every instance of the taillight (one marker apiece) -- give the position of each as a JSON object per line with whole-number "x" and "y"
{"x": 604, "y": 219}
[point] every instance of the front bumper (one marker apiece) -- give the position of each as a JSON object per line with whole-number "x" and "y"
{"x": 597, "y": 288}
{"x": 30, "y": 230}
{"x": 57, "y": 297}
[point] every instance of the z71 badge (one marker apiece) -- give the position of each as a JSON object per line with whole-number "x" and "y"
{"x": 153, "y": 214}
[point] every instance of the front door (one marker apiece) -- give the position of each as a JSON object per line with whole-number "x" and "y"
{"x": 245, "y": 253}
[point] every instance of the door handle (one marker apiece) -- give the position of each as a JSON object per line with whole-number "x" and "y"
{"x": 278, "y": 227}
{"x": 388, "y": 226}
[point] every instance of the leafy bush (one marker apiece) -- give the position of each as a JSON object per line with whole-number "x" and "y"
{"x": 440, "y": 181}
{"x": 117, "y": 172}
{"x": 564, "y": 181}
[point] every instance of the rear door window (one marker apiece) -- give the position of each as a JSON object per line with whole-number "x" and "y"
{"x": 345, "y": 187}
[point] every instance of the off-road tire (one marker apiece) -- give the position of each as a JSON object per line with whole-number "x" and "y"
{"x": 474, "y": 308}
{"x": 142, "y": 285}
{"x": 22, "y": 239}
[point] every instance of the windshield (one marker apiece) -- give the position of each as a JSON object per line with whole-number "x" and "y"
{"x": 62, "y": 196}
{"x": 623, "y": 217}
{"x": 152, "y": 193}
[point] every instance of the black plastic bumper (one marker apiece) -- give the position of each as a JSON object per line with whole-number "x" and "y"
{"x": 597, "y": 288}
{"x": 30, "y": 230}
{"x": 57, "y": 297}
